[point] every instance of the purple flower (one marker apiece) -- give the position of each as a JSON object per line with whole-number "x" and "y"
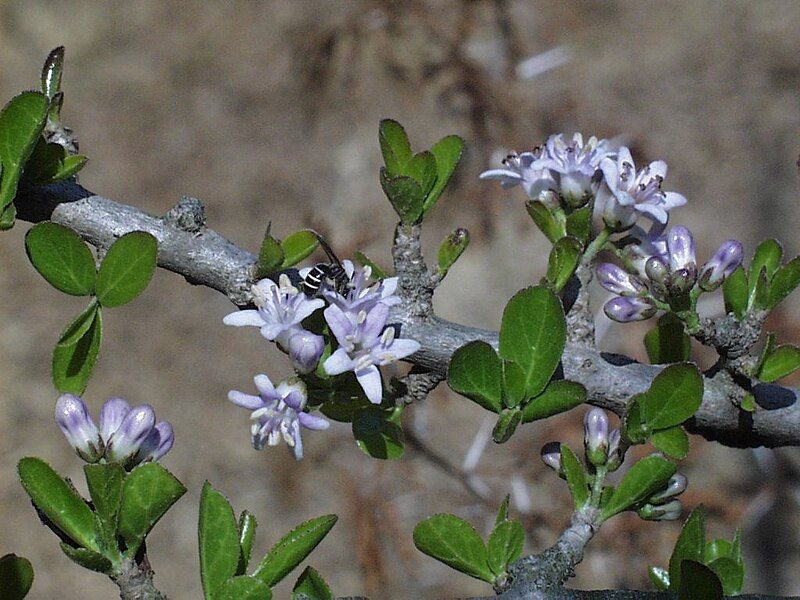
{"x": 520, "y": 169}
{"x": 126, "y": 436}
{"x": 77, "y": 425}
{"x": 280, "y": 311}
{"x": 649, "y": 243}
{"x": 626, "y": 310}
{"x": 277, "y": 413}
{"x": 619, "y": 281}
{"x": 724, "y": 262}
{"x": 627, "y": 193}
{"x": 362, "y": 294}
{"x": 365, "y": 343}
{"x": 573, "y": 165}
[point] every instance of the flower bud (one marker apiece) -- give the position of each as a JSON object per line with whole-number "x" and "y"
{"x": 724, "y": 262}
{"x": 681, "y": 249}
{"x": 551, "y": 455}
{"x": 595, "y": 436}
{"x": 618, "y": 281}
{"x": 134, "y": 429}
{"x": 615, "y": 453}
{"x": 112, "y": 413}
{"x": 657, "y": 270}
{"x": 305, "y": 349}
{"x": 671, "y": 511}
{"x": 682, "y": 280}
{"x": 74, "y": 420}
{"x": 675, "y": 487}
{"x": 626, "y": 310}
{"x": 157, "y": 443}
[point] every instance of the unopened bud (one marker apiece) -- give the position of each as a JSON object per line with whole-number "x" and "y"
{"x": 671, "y": 511}
{"x": 724, "y": 262}
{"x": 551, "y": 455}
{"x": 675, "y": 487}
{"x": 626, "y": 310}
{"x": 595, "y": 427}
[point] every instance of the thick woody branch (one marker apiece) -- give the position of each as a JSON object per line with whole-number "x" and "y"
{"x": 204, "y": 257}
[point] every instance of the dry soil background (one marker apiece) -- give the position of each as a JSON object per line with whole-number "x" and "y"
{"x": 268, "y": 111}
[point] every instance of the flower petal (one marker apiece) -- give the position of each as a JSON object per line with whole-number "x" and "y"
{"x": 315, "y": 422}
{"x": 245, "y": 400}
{"x": 264, "y": 386}
{"x": 244, "y": 318}
{"x": 371, "y": 382}
{"x": 338, "y": 362}
{"x": 340, "y": 325}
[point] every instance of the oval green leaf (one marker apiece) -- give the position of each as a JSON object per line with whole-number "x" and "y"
{"x": 698, "y": 582}
{"x": 689, "y": 546}
{"x": 88, "y": 559}
{"x": 506, "y": 425}
{"x": 667, "y": 342}
{"x": 735, "y": 291}
{"x": 447, "y": 152}
{"x": 311, "y": 586}
{"x": 532, "y": 334}
{"x": 782, "y": 362}
{"x": 642, "y": 480}
{"x": 786, "y": 279}
{"x": 559, "y": 396}
{"x": 127, "y": 268}
{"x": 476, "y": 373}
{"x": 376, "y": 435}
{"x": 563, "y": 261}
{"x": 674, "y": 442}
{"x": 405, "y": 195}
{"x": 674, "y": 396}
{"x": 218, "y": 538}
{"x": 576, "y": 477}
{"x": 292, "y": 549}
{"x": 73, "y": 363}
{"x": 454, "y": 542}
{"x": 62, "y": 258}
{"x": 243, "y": 588}
{"x": 247, "y": 533}
{"x": 16, "y": 577}
{"x": 58, "y": 501}
{"x": 298, "y": 246}
{"x": 452, "y": 247}
{"x": 505, "y": 545}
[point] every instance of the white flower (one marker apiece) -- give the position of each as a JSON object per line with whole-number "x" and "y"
{"x": 573, "y": 164}
{"x": 520, "y": 169}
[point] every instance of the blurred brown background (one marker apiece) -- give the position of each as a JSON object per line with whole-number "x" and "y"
{"x": 269, "y": 111}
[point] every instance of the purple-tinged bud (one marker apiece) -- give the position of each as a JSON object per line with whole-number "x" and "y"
{"x": 675, "y": 487}
{"x": 595, "y": 436}
{"x": 157, "y": 443}
{"x": 618, "y": 281}
{"x": 112, "y": 413}
{"x": 74, "y": 420}
{"x": 657, "y": 270}
{"x": 551, "y": 455}
{"x": 615, "y": 452}
{"x": 626, "y": 310}
{"x": 671, "y": 511}
{"x": 725, "y": 261}
{"x": 680, "y": 248}
{"x": 682, "y": 280}
{"x": 305, "y": 349}
{"x": 130, "y": 435}
{"x": 550, "y": 199}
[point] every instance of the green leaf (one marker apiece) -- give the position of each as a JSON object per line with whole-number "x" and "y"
{"x": 689, "y": 546}
{"x": 769, "y": 348}
{"x": 563, "y": 261}
{"x": 375, "y": 435}
{"x": 579, "y": 224}
{"x": 395, "y": 147}
{"x": 454, "y": 542}
{"x": 364, "y": 261}
{"x": 698, "y": 582}
{"x": 270, "y": 256}
{"x": 576, "y": 477}
{"x": 730, "y": 574}
{"x": 761, "y": 297}
{"x": 559, "y": 396}
{"x": 79, "y": 325}
{"x": 553, "y": 229}
{"x": 659, "y": 577}
{"x": 247, "y": 533}
{"x": 88, "y": 559}
{"x": 127, "y": 268}
{"x": 73, "y": 363}
{"x": 62, "y": 258}
{"x": 105, "y": 483}
{"x": 422, "y": 169}
{"x": 50, "y": 162}
{"x": 58, "y": 501}
{"x": 783, "y": 361}
{"x": 16, "y": 577}
{"x": 405, "y": 194}
{"x": 447, "y": 152}
{"x": 298, "y": 246}
{"x": 532, "y": 334}
{"x": 451, "y": 248}
{"x": 293, "y": 548}
{"x": 505, "y": 545}
{"x": 735, "y": 292}
{"x": 311, "y": 586}
{"x": 674, "y": 442}
{"x": 667, "y": 342}
{"x": 783, "y": 283}
{"x": 52, "y": 72}
{"x": 767, "y": 257}
{"x": 243, "y": 588}
{"x": 642, "y": 480}
{"x": 218, "y": 540}
{"x": 633, "y": 428}
{"x": 476, "y": 372}
{"x": 749, "y": 403}
{"x": 674, "y": 396}
{"x": 514, "y": 391}
{"x": 715, "y": 549}
{"x": 7, "y": 216}
{"x": 149, "y": 491}
{"x": 502, "y": 512}
{"x": 506, "y": 425}
{"x": 21, "y": 123}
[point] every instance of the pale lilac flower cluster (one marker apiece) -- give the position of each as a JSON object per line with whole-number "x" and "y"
{"x": 358, "y": 321}
{"x": 277, "y": 413}
{"x": 128, "y": 436}
{"x": 280, "y": 311}
{"x": 668, "y": 273}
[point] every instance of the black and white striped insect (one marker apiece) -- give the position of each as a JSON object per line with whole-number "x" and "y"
{"x": 330, "y": 275}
